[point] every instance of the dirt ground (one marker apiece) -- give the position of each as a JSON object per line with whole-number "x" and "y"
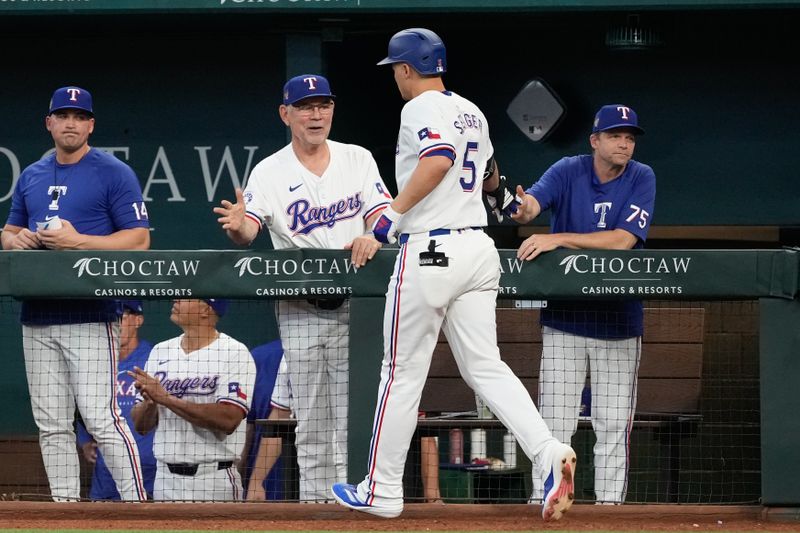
{"x": 416, "y": 517}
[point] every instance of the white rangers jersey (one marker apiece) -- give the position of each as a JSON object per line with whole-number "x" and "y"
{"x": 222, "y": 372}
{"x": 444, "y": 123}
{"x": 303, "y": 210}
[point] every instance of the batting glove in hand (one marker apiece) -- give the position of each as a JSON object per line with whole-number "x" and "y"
{"x": 503, "y": 203}
{"x": 385, "y": 228}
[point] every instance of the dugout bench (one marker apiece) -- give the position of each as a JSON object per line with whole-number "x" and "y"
{"x": 669, "y": 392}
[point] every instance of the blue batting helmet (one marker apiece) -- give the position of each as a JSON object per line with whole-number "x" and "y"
{"x": 420, "y": 48}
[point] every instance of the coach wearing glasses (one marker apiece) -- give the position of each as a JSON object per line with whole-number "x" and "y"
{"x": 313, "y": 193}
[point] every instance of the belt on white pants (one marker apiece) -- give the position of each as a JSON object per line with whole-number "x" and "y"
{"x": 437, "y": 233}
{"x": 183, "y": 469}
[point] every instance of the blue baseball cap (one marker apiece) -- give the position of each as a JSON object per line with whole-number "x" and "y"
{"x": 71, "y": 98}
{"x": 219, "y": 305}
{"x": 134, "y": 306}
{"x": 616, "y": 116}
{"x": 306, "y": 86}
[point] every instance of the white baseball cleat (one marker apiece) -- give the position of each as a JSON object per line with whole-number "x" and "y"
{"x": 559, "y": 485}
{"x": 347, "y": 495}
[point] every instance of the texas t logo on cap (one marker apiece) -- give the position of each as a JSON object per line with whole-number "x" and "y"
{"x": 616, "y": 116}
{"x": 306, "y": 86}
{"x": 71, "y": 98}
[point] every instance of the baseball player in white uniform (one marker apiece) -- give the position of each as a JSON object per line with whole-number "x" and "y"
{"x": 195, "y": 390}
{"x": 313, "y": 193}
{"x": 446, "y": 277}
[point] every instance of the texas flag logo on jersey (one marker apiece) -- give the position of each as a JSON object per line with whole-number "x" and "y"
{"x": 235, "y": 388}
{"x": 428, "y": 133}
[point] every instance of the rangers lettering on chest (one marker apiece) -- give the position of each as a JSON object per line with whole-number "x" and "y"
{"x": 191, "y": 386}
{"x": 305, "y": 218}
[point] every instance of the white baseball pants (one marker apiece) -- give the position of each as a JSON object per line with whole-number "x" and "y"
{"x": 76, "y": 364}
{"x": 315, "y": 344}
{"x": 614, "y": 368}
{"x": 208, "y": 484}
{"x": 421, "y": 300}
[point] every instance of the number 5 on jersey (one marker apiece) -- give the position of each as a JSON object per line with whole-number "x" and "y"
{"x": 468, "y": 182}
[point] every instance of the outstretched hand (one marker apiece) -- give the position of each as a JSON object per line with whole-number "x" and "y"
{"x": 232, "y": 214}
{"x": 502, "y": 202}
{"x": 527, "y": 209}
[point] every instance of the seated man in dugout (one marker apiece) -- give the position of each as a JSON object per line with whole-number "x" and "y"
{"x": 195, "y": 391}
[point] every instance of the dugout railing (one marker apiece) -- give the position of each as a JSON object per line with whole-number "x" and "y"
{"x": 750, "y": 291}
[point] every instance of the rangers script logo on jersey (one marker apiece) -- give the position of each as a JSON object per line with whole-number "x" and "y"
{"x": 193, "y": 386}
{"x": 304, "y": 219}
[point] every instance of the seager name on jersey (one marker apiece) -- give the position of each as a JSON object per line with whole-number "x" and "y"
{"x": 196, "y": 386}
{"x": 466, "y": 120}
{"x": 305, "y": 219}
